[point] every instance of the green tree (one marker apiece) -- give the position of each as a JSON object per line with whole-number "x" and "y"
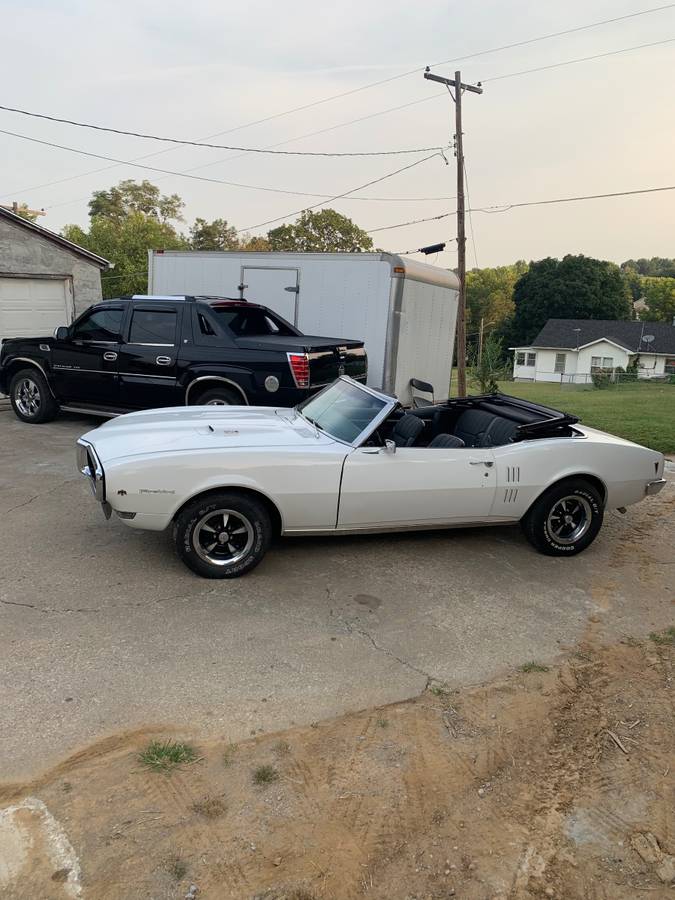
{"x": 575, "y": 287}
{"x": 254, "y": 243}
{"x": 321, "y": 231}
{"x": 657, "y": 266}
{"x": 659, "y": 294}
{"x": 633, "y": 281}
{"x": 488, "y": 367}
{"x": 489, "y": 295}
{"x": 135, "y": 197}
{"x": 126, "y": 243}
{"x": 216, "y": 235}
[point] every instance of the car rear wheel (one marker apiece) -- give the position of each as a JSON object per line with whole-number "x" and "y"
{"x": 219, "y": 396}
{"x": 565, "y": 519}
{"x": 223, "y": 535}
{"x": 31, "y": 399}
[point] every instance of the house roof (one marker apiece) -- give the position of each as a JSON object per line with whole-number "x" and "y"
{"x": 48, "y": 235}
{"x": 561, "y": 334}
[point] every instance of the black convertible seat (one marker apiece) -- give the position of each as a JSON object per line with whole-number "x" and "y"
{"x": 406, "y": 431}
{"x": 472, "y": 426}
{"x": 446, "y": 442}
{"x": 501, "y": 431}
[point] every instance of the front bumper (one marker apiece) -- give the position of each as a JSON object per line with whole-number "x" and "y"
{"x": 90, "y": 466}
{"x": 653, "y": 487}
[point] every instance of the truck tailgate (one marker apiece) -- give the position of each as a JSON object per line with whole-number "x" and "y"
{"x": 328, "y": 357}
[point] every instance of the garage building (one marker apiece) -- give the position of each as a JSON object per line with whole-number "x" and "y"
{"x": 45, "y": 280}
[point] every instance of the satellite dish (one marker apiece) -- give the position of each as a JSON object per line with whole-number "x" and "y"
{"x": 647, "y": 338}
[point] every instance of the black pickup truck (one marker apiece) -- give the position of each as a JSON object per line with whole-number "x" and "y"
{"x": 145, "y": 352}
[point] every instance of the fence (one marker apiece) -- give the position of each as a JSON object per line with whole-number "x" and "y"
{"x": 601, "y": 378}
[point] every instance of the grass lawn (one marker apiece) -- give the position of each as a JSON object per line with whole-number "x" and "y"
{"x": 641, "y": 412}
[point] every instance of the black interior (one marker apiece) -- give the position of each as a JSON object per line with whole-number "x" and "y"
{"x": 490, "y": 421}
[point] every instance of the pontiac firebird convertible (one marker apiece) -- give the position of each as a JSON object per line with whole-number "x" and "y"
{"x": 350, "y": 459}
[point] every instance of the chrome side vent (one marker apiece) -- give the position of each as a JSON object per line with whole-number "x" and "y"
{"x": 510, "y": 495}
{"x": 513, "y": 474}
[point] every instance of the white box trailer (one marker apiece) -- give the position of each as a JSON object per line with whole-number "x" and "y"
{"x": 404, "y": 311}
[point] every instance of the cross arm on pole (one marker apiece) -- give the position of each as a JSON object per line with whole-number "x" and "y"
{"x": 452, "y": 82}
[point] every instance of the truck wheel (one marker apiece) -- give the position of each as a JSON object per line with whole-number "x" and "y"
{"x": 31, "y": 398}
{"x": 223, "y": 535}
{"x": 565, "y": 519}
{"x": 219, "y": 396}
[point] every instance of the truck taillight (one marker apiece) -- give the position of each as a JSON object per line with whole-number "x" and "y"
{"x": 299, "y": 363}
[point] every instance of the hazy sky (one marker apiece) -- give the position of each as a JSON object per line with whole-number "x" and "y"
{"x": 195, "y": 69}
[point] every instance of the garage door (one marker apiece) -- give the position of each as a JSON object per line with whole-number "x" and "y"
{"x": 33, "y": 307}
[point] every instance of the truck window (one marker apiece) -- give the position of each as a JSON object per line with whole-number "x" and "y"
{"x": 251, "y": 322}
{"x": 101, "y": 325}
{"x": 156, "y": 327}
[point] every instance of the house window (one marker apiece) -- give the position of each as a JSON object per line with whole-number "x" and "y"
{"x": 670, "y": 366}
{"x": 520, "y": 359}
{"x": 560, "y": 359}
{"x": 607, "y": 362}
{"x": 596, "y": 363}
{"x": 531, "y": 359}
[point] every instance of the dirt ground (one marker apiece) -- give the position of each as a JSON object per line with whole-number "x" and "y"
{"x": 538, "y": 785}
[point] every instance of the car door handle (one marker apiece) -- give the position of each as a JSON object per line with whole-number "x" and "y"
{"x": 109, "y": 356}
{"x": 163, "y": 360}
{"x": 481, "y": 462}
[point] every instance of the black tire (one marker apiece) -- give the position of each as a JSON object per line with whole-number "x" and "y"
{"x": 31, "y": 399}
{"x": 234, "y": 550}
{"x": 566, "y": 518}
{"x": 218, "y": 396}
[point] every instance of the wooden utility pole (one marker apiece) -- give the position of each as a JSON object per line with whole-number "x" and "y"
{"x": 459, "y": 88}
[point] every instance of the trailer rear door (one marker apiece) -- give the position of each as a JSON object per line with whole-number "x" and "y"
{"x": 277, "y": 288}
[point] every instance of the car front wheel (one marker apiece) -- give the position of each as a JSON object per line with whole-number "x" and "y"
{"x": 31, "y": 399}
{"x": 565, "y": 519}
{"x": 223, "y": 535}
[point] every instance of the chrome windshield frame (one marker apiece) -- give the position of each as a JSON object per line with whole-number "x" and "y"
{"x": 390, "y": 405}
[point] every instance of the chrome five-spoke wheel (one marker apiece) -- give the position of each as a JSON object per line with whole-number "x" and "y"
{"x": 27, "y": 397}
{"x": 223, "y": 537}
{"x": 570, "y": 519}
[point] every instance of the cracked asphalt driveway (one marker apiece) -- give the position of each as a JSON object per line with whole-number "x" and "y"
{"x": 103, "y": 630}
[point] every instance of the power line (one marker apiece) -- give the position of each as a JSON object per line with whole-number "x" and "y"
{"x": 506, "y": 207}
{"x": 237, "y": 184}
{"x": 344, "y": 194}
{"x": 581, "y": 59}
{"x": 525, "y": 42}
{"x": 509, "y": 206}
{"x": 323, "y": 153}
{"x": 413, "y": 222}
{"x": 186, "y": 143}
{"x": 233, "y": 157}
{"x": 443, "y": 62}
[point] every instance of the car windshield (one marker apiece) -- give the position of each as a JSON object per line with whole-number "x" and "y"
{"x": 343, "y": 410}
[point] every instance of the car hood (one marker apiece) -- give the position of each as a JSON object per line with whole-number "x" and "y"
{"x": 201, "y": 428}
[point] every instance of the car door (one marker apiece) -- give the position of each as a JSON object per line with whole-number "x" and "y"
{"x": 148, "y": 359}
{"x": 85, "y": 363}
{"x": 416, "y": 485}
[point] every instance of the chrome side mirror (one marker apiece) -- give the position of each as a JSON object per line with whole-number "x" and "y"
{"x": 390, "y": 446}
{"x": 61, "y": 333}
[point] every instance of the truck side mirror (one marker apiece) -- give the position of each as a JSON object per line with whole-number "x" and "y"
{"x": 390, "y": 446}
{"x": 61, "y": 333}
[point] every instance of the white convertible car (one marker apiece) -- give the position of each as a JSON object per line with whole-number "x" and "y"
{"x": 349, "y": 459}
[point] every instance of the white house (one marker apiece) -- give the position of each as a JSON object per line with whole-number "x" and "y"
{"x": 572, "y": 350}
